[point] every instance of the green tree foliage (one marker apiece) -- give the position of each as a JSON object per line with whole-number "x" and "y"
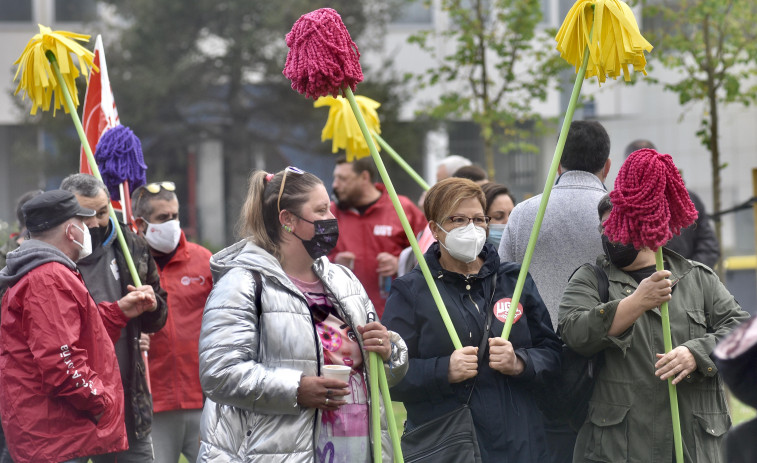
{"x": 500, "y": 61}
{"x": 713, "y": 46}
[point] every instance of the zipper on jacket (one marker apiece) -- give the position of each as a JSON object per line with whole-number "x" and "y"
{"x": 474, "y": 303}
{"x": 318, "y": 364}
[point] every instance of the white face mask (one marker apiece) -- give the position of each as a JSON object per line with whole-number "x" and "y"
{"x": 464, "y": 243}
{"x": 86, "y": 246}
{"x": 163, "y": 237}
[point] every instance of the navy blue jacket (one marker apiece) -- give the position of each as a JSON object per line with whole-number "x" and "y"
{"x": 508, "y": 422}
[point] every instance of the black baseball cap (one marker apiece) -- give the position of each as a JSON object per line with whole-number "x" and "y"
{"x": 52, "y": 208}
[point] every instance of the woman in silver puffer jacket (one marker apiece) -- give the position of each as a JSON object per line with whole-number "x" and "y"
{"x": 278, "y": 313}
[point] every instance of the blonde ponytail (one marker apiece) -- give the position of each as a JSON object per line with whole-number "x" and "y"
{"x": 259, "y": 218}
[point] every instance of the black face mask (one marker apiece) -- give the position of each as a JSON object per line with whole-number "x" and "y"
{"x": 324, "y": 240}
{"x": 621, "y": 255}
{"x": 98, "y": 235}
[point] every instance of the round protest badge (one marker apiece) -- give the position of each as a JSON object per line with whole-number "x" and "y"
{"x": 502, "y": 307}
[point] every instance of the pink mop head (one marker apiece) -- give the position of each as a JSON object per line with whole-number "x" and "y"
{"x": 650, "y": 201}
{"x": 322, "y": 57}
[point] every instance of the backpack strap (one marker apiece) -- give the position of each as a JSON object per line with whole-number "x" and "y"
{"x": 603, "y": 283}
{"x": 603, "y": 288}
{"x": 258, "y": 291}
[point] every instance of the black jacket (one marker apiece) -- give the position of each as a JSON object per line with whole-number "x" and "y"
{"x": 697, "y": 241}
{"x": 138, "y": 399}
{"x": 508, "y": 422}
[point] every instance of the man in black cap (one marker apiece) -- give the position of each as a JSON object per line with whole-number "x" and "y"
{"x": 61, "y": 397}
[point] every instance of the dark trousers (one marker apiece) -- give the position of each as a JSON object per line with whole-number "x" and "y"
{"x": 561, "y": 440}
{"x": 5, "y": 456}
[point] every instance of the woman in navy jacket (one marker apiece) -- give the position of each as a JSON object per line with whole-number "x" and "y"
{"x": 508, "y": 423}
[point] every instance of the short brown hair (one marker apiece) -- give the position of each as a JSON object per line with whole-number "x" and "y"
{"x": 471, "y": 172}
{"x": 361, "y": 165}
{"x": 446, "y": 196}
{"x": 492, "y": 190}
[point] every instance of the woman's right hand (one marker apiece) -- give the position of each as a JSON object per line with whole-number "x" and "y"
{"x": 320, "y": 392}
{"x": 653, "y": 290}
{"x": 463, "y": 364}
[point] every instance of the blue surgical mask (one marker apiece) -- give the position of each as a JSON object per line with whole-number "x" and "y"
{"x": 495, "y": 233}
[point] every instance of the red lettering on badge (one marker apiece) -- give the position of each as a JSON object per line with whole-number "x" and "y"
{"x": 502, "y": 307}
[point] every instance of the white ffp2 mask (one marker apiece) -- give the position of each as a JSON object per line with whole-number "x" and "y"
{"x": 464, "y": 243}
{"x": 163, "y": 237}
{"x": 86, "y": 246}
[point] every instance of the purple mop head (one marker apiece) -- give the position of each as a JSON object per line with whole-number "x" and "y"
{"x": 119, "y": 157}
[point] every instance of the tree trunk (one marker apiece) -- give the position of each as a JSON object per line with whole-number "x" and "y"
{"x": 489, "y": 157}
{"x": 712, "y": 100}
{"x": 715, "y": 163}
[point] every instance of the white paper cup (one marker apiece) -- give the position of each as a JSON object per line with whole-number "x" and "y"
{"x": 340, "y": 372}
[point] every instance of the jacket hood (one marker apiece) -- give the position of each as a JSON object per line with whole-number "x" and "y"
{"x": 244, "y": 254}
{"x": 30, "y": 255}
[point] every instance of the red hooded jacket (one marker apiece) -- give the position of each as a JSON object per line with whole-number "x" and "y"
{"x": 59, "y": 368}
{"x": 174, "y": 350}
{"x": 377, "y": 230}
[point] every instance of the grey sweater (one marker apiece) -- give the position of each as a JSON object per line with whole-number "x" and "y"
{"x": 569, "y": 235}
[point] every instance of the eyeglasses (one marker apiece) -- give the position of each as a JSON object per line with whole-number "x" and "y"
{"x": 462, "y": 220}
{"x": 293, "y": 170}
{"x": 154, "y": 188}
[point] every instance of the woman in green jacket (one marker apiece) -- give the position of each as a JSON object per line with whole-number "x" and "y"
{"x": 629, "y": 413}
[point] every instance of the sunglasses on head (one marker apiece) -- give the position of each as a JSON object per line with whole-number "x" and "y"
{"x": 293, "y": 170}
{"x": 155, "y": 187}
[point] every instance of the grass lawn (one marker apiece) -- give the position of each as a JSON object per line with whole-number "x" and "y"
{"x": 740, "y": 412}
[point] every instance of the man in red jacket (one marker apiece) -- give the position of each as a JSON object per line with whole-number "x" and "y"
{"x": 370, "y": 233}
{"x": 61, "y": 397}
{"x": 184, "y": 269}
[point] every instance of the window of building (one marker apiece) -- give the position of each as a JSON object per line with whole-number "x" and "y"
{"x": 546, "y": 13}
{"x": 416, "y": 12}
{"x": 75, "y": 10}
{"x": 16, "y": 10}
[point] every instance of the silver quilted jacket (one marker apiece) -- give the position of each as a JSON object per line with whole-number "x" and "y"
{"x": 251, "y": 360}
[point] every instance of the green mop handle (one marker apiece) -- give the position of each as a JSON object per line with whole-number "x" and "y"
{"x": 403, "y": 220}
{"x": 668, "y": 344}
{"x": 93, "y": 164}
{"x": 402, "y": 163}
{"x": 393, "y": 432}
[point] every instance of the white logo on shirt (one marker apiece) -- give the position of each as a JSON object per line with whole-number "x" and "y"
{"x": 187, "y": 280}
{"x": 114, "y": 269}
{"x": 382, "y": 230}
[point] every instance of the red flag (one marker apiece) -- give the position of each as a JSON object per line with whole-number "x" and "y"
{"x": 100, "y": 111}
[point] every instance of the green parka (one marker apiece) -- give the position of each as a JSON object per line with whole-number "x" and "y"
{"x": 629, "y": 412}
